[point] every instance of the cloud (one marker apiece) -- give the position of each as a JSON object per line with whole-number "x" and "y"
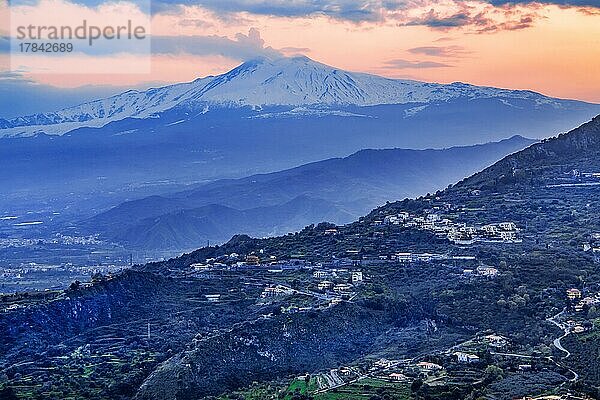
{"x": 13, "y": 76}
{"x": 196, "y": 23}
{"x": 479, "y": 16}
{"x": 511, "y": 25}
{"x": 351, "y": 10}
{"x": 359, "y": 11}
{"x": 289, "y": 51}
{"x": 242, "y": 47}
{"x": 571, "y": 3}
{"x": 440, "y": 51}
{"x": 4, "y": 44}
{"x": 473, "y": 17}
{"x": 20, "y": 95}
{"x": 590, "y": 11}
{"x": 434, "y": 19}
{"x": 407, "y": 64}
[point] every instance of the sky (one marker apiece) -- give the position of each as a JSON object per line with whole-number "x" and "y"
{"x": 549, "y": 46}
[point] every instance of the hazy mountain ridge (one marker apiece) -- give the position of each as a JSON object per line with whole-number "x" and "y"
{"x": 185, "y": 229}
{"x": 586, "y": 136}
{"x": 335, "y": 190}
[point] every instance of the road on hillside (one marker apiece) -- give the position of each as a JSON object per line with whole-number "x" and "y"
{"x": 557, "y": 342}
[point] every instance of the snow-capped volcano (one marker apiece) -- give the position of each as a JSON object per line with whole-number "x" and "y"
{"x": 294, "y": 82}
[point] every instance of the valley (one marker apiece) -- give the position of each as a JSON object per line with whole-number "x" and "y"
{"x": 82, "y": 233}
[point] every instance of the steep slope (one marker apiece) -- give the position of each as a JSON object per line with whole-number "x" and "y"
{"x": 289, "y": 82}
{"x": 569, "y": 158}
{"x": 348, "y": 187}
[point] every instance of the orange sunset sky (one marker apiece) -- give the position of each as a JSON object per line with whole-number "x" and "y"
{"x": 552, "y": 47}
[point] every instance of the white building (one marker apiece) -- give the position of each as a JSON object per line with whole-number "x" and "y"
{"x": 487, "y": 271}
{"x": 573, "y": 293}
{"x": 213, "y": 298}
{"x": 508, "y": 236}
{"x": 404, "y": 257}
{"x": 491, "y": 229}
{"x": 320, "y": 274}
{"x": 466, "y": 357}
{"x": 496, "y": 341}
{"x": 200, "y": 267}
{"x": 357, "y": 276}
{"x": 272, "y": 291}
{"x": 508, "y": 226}
{"x": 428, "y": 366}
{"x": 342, "y": 288}
{"x": 397, "y": 377}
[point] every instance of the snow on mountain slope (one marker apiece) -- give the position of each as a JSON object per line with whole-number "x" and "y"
{"x": 100, "y": 112}
{"x": 301, "y": 81}
{"x": 293, "y": 82}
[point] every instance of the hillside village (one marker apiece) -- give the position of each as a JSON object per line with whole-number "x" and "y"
{"x": 458, "y": 233}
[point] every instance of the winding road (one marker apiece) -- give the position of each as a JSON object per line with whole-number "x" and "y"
{"x": 566, "y": 332}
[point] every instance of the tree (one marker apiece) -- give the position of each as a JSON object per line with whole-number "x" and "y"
{"x": 416, "y": 385}
{"x": 7, "y": 393}
{"x": 492, "y": 373}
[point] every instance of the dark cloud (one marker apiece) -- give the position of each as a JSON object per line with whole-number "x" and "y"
{"x": 196, "y": 23}
{"x": 370, "y": 11}
{"x": 433, "y": 19}
{"x": 407, "y": 64}
{"x": 485, "y": 21}
{"x": 242, "y": 47}
{"x": 352, "y": 10}
{"x": 13, "y": 76}
{"x": 575, "y": 3}
{"x": 510, "y": 25}
{"x": 590, "y": 11}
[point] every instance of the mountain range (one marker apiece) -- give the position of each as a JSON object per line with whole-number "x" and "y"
{"x": 302, "y": 85}
{"x": 337, "y": 190}
{"x": 265, "y": 115}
